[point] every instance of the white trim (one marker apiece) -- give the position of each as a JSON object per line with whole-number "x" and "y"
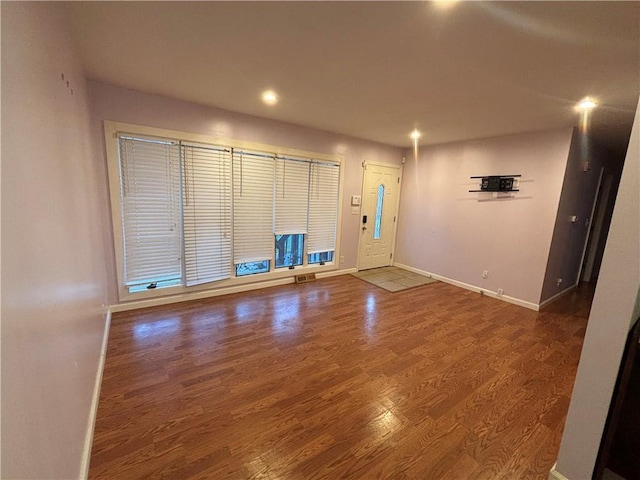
{"x": 381, "y": 164}
{"x": 88, "y": 440}
{"x": 599, "y": 219}
{"x": 228, "y": 283}
{"x": 556, "y": 475}
{"x": 113, "y": 169}
{"x": 558, "y": 295}
{"x": 185, "y": 297}
{"x": 336, "y": 253}
{"x": 335, "y": 273}
{"x": 473, "y": 288}
{"x": 586, "y": 240}
{"x": 396, "y": 216}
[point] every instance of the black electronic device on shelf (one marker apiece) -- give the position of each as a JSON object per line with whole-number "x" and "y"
{"x": 497, "y": 183}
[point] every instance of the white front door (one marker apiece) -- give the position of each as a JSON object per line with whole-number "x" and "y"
{"x": 380, "y": 195}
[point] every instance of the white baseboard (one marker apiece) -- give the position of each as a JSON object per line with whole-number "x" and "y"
{"x": 335, "y": 273}
{"x": 88, "y": 441}
{"x": 556, "y": 475}
{"x": 558, "y": 295}
{"x": 473, "y": 288}
{"x": 184, "y": 297}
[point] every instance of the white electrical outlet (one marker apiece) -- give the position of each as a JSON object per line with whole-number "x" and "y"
{"x": 500, "y": 292}
{"x": 485, "y": 274}
{"x": 341, "y": 258}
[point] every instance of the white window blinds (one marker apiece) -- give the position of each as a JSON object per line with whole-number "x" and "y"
{"x": 206, "y": 206}
{"x": 194, "y": 213}
{"x": 150, "y": 196}
{"x": 253, "y": 176}
{"x": 292, "y": 196}
{"x": 323, "y": 207}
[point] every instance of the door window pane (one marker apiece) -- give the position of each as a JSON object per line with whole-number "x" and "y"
{"x": 378, "y": 224}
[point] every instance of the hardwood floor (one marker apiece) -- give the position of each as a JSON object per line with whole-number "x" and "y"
{"x": 338, "y": 379}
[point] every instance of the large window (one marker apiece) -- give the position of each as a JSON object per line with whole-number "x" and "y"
{"x": 292, "y": 211}
{"x": 194, "y": 213}
{"x": 150, "y": 205}
{"x": 253, "y": 177}
{"x": 324, "y": 181}
{"x": 206, "y": 210}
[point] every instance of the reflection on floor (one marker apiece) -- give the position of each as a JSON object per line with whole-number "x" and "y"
{"x": 338, "y": 379}
{"x": 393, "y": 279}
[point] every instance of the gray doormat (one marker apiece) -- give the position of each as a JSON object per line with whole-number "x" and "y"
{"x": 393, "y": 279}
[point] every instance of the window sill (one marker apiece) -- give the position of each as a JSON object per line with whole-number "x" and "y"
{"x": 279, "y": 274}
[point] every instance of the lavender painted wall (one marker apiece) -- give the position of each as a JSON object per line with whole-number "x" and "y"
{"x": 446, "y": 230}
{"x": 122, "y": 105}
{"x": 53, "y": 271}
{"x": 616, "y": 305}
{"x": 579, "y": 191}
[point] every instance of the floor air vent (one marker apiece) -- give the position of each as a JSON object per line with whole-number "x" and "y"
{"x": 307, "y": 277}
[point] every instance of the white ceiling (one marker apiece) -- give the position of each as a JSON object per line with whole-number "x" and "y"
{"x": 377, "y": 70}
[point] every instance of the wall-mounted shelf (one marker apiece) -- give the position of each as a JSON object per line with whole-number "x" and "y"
{"x": 497, "y": 183}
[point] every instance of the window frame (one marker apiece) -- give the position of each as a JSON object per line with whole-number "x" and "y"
{"x": 111, "y": 131}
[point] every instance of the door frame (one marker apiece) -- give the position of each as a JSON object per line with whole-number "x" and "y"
{"x": 400, "y": 167}
{"x": 594, "y": 243}
{"x": 590, "y": 230}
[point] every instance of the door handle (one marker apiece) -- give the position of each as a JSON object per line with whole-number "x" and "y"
{"x": 364, "y": 228}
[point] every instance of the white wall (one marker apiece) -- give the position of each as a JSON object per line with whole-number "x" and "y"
{"x": 53, "y": 272}
{"x": 128, "y": 106}
{"x": 446, "y": 230}
{"x": 579, "y": 191}
{"x": 615, "y": 306}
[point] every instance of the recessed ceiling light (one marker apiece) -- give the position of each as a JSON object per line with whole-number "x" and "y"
{"x": 269, "y": 97}
{"x": 415, "y": 134}
{"x": 587, "y": 103}
{"x": 443, "y": 4}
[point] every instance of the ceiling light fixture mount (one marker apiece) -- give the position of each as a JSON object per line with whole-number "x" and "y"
{"x": 415, "y": 136}
{"x": 269, "y": 97}
{"x": 587, "y": 103}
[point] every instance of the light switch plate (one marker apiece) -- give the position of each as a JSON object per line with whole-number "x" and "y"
{"x": 355, "y": 200}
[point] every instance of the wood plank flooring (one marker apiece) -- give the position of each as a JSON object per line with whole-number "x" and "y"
{"x": 338, "y": 379}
